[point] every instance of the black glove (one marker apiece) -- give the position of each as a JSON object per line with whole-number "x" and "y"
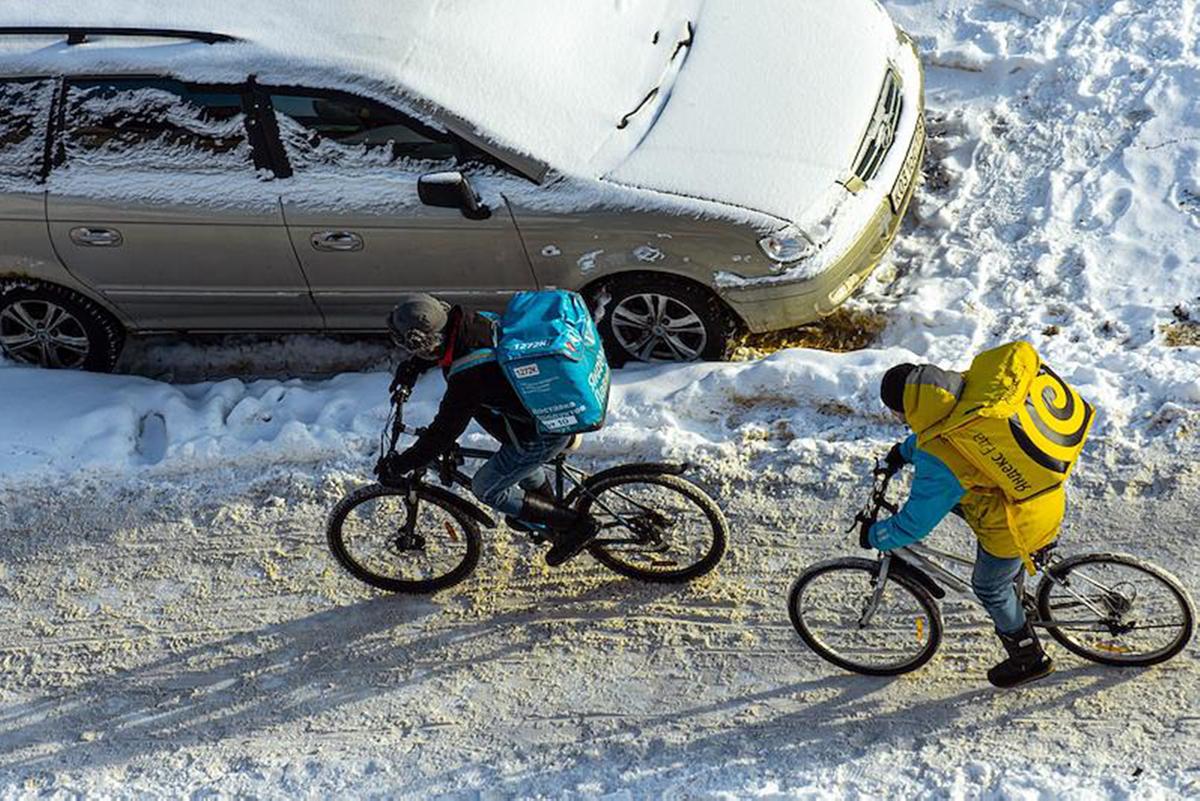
{"x": 894, "y": 459}
{"x": 390, "y": 472}
{"x": 407, "y": 374}
{"x": 864, "y": 531}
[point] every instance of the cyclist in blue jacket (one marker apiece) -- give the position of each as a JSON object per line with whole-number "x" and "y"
{"x": 919, "y": 396}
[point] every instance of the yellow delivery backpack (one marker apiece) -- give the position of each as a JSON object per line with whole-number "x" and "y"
{"x": 1017, "y": 422}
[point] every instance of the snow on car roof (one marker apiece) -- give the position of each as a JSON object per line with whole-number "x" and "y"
{"x": 546, "y": 78}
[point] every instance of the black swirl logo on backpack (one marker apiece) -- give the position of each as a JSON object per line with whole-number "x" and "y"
{"x": 1052, "y": 424}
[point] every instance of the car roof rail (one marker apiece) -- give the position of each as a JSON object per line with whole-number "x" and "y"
{"x": 78, "y": 34}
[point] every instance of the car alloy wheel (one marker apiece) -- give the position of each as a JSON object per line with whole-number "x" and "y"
{"x": 654, "y": 328}
{"x": 43, "y": 333}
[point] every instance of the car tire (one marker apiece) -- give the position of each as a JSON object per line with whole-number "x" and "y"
{"x": 52, "y": 326}
{"x": 660, "y": 318}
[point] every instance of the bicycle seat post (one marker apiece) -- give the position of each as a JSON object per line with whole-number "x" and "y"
{"x": 560, "y": 475}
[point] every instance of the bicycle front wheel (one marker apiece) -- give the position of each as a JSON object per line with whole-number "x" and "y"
{"x": 654, "y": 526}
{"x": 829, "y": 601}
{"x": 1116, "y": 609}
{"x": 370, "y": 536}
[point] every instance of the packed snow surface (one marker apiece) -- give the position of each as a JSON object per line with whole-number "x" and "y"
{"x": 173, "y": 623}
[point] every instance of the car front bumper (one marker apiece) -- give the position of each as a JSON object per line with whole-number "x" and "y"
{"x": 773, "y": 305}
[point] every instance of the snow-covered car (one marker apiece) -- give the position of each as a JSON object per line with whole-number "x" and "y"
{"x": 694, "y": 167}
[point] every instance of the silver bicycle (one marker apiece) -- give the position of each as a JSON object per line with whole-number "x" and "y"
{"x": 881, "y": 617}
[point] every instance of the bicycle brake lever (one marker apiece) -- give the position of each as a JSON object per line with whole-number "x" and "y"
{"x": 862, "y": 517}
{"x": 882, "y": 470}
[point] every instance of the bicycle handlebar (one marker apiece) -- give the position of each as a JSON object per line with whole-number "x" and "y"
{"x": 869, "y": 515}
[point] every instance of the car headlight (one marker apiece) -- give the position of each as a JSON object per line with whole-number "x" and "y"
{"x": 787, "y": 246}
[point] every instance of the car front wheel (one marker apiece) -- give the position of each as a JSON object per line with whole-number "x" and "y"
{"x": 52, "y": 326}
{"x": 660, "y": 319}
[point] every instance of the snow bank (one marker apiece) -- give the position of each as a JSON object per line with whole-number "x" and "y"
{"x": 795, "y": 405}
{"x": 56, "y": 421}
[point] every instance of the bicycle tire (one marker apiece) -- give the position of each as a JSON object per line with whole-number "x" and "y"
{"x": 718, "y": 527}
{"x": 919, "y": 593}
{"x": 336, "y": 537}
{"x": 1063, "y": 569}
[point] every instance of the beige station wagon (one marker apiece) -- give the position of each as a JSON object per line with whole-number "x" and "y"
{"x": 206, "y": 180}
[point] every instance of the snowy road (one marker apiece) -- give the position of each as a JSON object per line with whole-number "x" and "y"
{"x": 171, "y": 624}
{"x": 177, "y": 634}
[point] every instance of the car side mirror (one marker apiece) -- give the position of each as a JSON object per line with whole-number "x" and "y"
{"x": 452, "y": 190}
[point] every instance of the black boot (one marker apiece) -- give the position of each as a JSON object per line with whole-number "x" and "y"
{"x": 1026, "y": 659}
{"x": 546, "y": 493}
{"x": 572, "y": 530}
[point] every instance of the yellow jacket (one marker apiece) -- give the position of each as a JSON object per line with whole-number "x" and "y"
{"x": 1006, "y": 528}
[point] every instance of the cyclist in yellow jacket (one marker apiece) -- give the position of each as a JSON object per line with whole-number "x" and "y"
{"x": 945, "y": 480}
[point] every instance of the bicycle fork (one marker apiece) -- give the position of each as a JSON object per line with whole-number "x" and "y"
{"x": 878, "y": 582}
{"x": 407, "y": 538}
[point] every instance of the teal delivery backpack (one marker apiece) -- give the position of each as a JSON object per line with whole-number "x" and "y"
{"x": 549, "y": 349}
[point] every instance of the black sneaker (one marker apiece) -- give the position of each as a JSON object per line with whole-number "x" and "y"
{"x": 569, "y": 543}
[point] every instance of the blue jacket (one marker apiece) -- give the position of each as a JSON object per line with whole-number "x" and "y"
{"x": 935, "y": 491}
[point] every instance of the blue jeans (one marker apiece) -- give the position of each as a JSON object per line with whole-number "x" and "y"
{"x": 503, "y": 479}
{"x": 992, "y": 581}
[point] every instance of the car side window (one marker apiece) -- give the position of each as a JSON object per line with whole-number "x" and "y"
{"x": 24, "y": 115}
{"x": 320, "y": 128}
{"x": 155, "y": 122}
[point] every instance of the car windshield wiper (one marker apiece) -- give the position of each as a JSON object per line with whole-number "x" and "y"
{"x": 653, "y": 93}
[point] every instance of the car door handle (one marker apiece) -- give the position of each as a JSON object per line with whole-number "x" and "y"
{"x": 336, "y": 240}
{"x": 96, "y": 237}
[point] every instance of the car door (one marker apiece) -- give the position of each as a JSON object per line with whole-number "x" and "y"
{"x": 155, "y": 200}
{"x": 24, "y": 118}
{"x": 357, "y": 223}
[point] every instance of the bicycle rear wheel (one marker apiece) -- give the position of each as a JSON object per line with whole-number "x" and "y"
{"x": 369, "y": 535}
{"x": 654, "y": 526}
{"x": 827, "y": 603}
{"x": 1116, "y": 609}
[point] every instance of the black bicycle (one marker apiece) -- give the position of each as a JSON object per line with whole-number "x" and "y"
{"x": 880, "y": 617}
{"x": 655, "y": 525}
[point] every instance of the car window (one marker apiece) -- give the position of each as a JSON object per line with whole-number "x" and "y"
{"x": 153, "y": 122}
{"x": 333, "y": 128}
{"x": 24, "y": 115}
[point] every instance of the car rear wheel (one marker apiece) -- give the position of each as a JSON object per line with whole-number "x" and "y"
{"x": 662, "y": 319}
{"x": 52, "y": 326}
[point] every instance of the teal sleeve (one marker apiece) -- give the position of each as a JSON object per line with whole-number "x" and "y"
{"x": 935, "y": 491}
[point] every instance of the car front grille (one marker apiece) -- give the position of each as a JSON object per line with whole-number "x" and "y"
{"x": 881, "y": 131}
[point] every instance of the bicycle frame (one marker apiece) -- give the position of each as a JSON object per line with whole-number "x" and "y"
{"x": 449, "y": 462}
{"x": 931, "y": 565}
{"x": 449, "y": 475}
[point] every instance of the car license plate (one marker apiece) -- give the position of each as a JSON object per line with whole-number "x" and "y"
{"x": 912, "y": 163}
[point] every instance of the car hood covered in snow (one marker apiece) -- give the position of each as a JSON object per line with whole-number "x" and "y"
{"x": 545, "y": 78}
{"x": 769, "y": 109}
{"x": 763, "y": 110}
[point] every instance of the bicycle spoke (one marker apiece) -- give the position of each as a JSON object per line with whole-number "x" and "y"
{"x": 655, "y": 527}
{"x": 829, "y": 607}
{"x": 1137, "y": 617}
{"x": 376, "y": 537}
